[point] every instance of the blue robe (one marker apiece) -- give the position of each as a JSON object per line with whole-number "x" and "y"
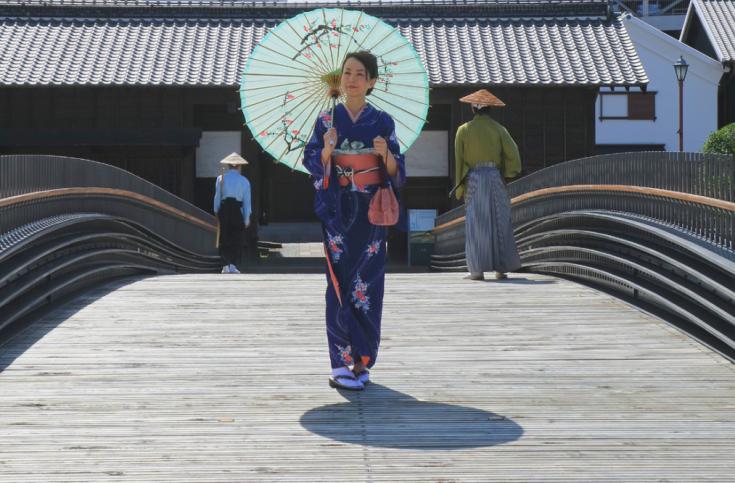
{"x": 355, "y": 248}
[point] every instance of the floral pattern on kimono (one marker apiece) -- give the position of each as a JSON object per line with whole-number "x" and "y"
{"x": 345, "y": 354}
{"x": 335, "y": 246}
{"x": 373, "y": 248}
{"x": 359, "y": 295}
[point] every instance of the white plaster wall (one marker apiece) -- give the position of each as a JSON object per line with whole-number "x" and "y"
{"x": 658, "y": 52}
{"x": 429, "y": 155}
{"x": 214, "y": 146}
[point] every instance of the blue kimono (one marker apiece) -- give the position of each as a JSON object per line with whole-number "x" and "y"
{"x": 355, "y": 248}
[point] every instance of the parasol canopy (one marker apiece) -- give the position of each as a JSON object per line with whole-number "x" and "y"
{"x": 293, "y": 72}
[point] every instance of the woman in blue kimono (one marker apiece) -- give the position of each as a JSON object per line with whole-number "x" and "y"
{"x": 343, "y": 157}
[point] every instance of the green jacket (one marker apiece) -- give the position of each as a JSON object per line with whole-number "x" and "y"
{"x": 483, "y": 139}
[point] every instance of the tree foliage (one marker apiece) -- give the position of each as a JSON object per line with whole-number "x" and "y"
{"x": 721, "y": 141}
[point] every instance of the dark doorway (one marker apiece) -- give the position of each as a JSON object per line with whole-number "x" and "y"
{"x": 290, "y": 195}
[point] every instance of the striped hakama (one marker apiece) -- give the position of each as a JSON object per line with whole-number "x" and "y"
{"x": 489, "y": 242}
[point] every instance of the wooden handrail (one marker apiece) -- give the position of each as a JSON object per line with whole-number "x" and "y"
{"x": 448, "y": 224}
{"x": 702, "y": 200}
{"x": 60, "y": 192}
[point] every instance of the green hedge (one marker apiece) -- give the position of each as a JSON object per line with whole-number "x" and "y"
{"x": 722, "y": 141}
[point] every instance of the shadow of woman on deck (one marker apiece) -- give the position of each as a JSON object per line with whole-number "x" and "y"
{"x": 382, "y": 417}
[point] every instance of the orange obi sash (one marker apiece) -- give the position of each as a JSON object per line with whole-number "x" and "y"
{"x": 358, "y": 169}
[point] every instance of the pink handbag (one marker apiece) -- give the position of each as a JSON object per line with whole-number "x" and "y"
{"x": 383, "y": 210}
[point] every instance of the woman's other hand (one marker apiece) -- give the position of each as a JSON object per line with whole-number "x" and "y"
{"x": 380, "y": 146}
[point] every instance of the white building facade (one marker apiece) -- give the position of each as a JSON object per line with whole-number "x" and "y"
{"x": 650, "y": 120}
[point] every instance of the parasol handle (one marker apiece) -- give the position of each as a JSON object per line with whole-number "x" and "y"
{"x": 331, "y": 114}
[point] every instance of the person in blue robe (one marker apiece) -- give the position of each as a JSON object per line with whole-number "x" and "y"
{"x": 355, "y": 249}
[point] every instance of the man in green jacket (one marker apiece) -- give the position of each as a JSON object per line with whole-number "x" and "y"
{"x": 485, "y": 155}
{"x": 483, "y": 139}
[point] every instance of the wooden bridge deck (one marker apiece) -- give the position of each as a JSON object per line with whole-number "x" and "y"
{"x": 224, "y": 378}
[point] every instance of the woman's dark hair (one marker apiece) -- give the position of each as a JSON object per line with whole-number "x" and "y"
{"x": 368, "y": 60}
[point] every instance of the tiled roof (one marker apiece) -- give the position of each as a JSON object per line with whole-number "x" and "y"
{"x": 718, "y": 20}
{"x": 125, "y": 51}
{"x": 542, "y": 5}
{"x": 213, "y": 51}
{"x": 518, "y": 51}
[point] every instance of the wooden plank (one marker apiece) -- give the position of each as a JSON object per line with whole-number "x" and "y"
{"x": 223, "y": 378}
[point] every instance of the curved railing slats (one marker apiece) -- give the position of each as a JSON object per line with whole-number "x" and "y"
{"x": 67, "y": 223}
{"x": 56, "y": 194}
{"x": 657, "y": 229}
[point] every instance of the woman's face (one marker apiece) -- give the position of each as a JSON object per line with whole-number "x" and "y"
{"x": 355, "y": 82}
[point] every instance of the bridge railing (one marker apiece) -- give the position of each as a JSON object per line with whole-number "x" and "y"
{"x": 24, "y": 174}
{"x": 709, "y": 175}
{"x": 68, "y": 223}
{"x": 680, "y": 189}
{"x": 657, "y": 229}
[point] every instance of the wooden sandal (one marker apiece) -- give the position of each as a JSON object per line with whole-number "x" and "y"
{"x": 334, "y": 382}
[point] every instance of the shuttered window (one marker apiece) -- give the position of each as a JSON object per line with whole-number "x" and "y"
{"x": 642, "y": 105}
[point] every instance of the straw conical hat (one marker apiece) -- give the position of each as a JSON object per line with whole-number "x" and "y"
{"x": 482, "y": 98}
{"x": 233, "y": 158}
